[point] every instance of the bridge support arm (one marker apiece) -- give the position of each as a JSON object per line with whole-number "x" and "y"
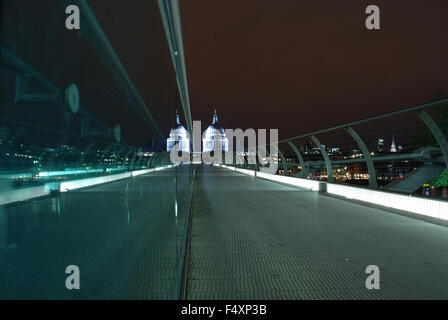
{"x": 238, "y": 160}
{"x": 326, "y": 158}
{"x": 285, "y": 165}
{"x": 118, "y": 154}
{"x": 260, "y": 154}
{"x": 303, "y": 172}
{"x": 50, "y": 162}
{"x": 367, "y": 157}
{"x": 84, "y": 154}
{"x": 437, "y": 133}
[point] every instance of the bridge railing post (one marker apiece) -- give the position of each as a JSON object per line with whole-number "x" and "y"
{"x": 303, "y": 171}
{"x": 126, "y": 156}
{"x": 326, "y": 159}
{"x": 105, "y": 152}
{"x": 50, "y": 163}
{"x": 437, "y": 133}
{"x": 131, "y": 166}
{"x": 285, "y": 165}
{"x": 84, "y": 154}
{"x": 367, "y": 157}
{"x": 117, "y": 155}
{"x": 260, "y": 155}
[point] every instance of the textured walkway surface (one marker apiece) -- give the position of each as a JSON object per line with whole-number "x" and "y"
{"x": 124, "y": 236}
{"x": 256, "y": 239}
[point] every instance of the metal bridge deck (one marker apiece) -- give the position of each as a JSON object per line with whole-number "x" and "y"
{"x": 256, "y": 239}
{"x": 250, "y": 239}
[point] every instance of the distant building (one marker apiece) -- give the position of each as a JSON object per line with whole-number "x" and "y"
{"x": 380, "y": 145}
{"x": 393, "y": 147}
{"x": 334, "y": 150}
{"x": 214, "y": 136}
{"x": 306, "y": 148}
{"x": 178, "y": 135}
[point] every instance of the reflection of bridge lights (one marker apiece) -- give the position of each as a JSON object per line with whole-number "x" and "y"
{"x": 175, "y": 207}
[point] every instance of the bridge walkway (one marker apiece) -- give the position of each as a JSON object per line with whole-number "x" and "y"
{"x": 256, "y": 239}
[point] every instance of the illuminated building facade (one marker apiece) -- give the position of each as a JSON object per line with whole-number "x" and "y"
{"x": 178, "y": 135}
{"x": 214, "y": 136}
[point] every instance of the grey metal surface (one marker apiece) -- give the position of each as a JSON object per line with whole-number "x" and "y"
{"x": 256, "y": 239}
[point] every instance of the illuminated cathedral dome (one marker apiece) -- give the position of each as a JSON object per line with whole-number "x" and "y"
{"x": 214, "y": 136}
{"x": 178, "y": 135}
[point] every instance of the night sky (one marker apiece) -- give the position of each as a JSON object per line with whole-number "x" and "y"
{"x": 293, "y": 65}
{"x": 305, "y": 65}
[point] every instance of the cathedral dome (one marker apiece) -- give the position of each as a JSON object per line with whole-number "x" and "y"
{"x": 179, "y": 136}
{"x": 214, "y": 135}
{"x": 215, "y": 126}
{"x": 178, "y": 128}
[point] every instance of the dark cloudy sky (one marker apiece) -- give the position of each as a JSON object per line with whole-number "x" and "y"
{"x": 306, "y": 65}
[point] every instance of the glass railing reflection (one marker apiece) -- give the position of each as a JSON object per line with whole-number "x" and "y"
{"x": 84, "y": 178}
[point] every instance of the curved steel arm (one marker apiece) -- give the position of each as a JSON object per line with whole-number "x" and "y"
{"x": 368, "y": 159}
{"x": 304, "y": 171}
{"x": 105, "y": 152}
{"x": 117, "y": 155}
{"x": 326, "y": 158}
{"x": 285, "y": 165}
{"x": 84, "y": 154}
{"x": 52, "y": 158}
{"x": 437, "y": 133}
